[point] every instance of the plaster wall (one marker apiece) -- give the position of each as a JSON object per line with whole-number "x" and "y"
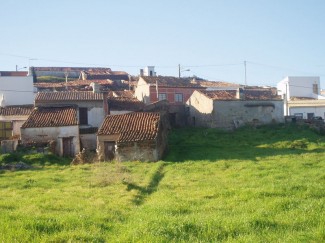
{"x": 46, "y": 134}
{"x": 142, "y": 91}
{"x": 17, "y": 90}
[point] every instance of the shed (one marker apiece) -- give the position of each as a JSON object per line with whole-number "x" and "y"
{"x": 133, "y": 136}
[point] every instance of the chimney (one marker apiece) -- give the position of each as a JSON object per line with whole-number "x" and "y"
{"x": 141, "y": 72}
{"x": 240, "y": 94}
{"x": 95, "y": 87}
{"x": 105, "y": 104}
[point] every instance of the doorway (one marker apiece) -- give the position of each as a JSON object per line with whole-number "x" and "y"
{"x": 109, "y": 150}
{"x": 67, "y": 146}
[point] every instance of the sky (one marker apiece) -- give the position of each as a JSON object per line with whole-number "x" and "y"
{"x": 211, "y": 38}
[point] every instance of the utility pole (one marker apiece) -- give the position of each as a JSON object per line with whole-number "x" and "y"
{"x": 179, "y": 70}
{"x": 245, "y": 73}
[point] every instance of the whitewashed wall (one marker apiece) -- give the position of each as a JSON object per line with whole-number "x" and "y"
{"x": 17, "y": 90}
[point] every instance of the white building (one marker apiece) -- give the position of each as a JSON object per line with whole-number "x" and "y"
{"x": 148, "y": 71}
{"x": 302, "y": 97}
{"x": 16, "y": 88}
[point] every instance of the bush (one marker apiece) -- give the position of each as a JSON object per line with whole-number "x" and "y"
{"x": 9, "y": 158}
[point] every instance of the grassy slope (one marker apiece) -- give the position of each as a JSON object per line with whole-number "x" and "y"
{"x": 265, "y": 184}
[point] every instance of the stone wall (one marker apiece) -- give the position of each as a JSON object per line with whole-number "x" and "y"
{"x": 230, "y": 114}
{"x": 137, "y": 151}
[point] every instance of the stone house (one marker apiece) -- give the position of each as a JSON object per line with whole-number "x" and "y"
{"x": 58, "y": 125}
{"x": 134, "y": 136}
{"x": 91, "y": 110}
{"x": 229, "y": 109}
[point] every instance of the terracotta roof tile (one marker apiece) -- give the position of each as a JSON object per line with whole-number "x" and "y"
{"x": 68, "y": 96}
{"x": 73, "y": 83}
{"x": 63, "y": 69}
{"x": 124, "y": 94}
{"x": 217, "y": 84}
{"x": 187, "y": 82}
{"x": 52, "y": 117}
{"x": 105, "y": 84}
{"x": 260, "y": 94}
{"x": 220, "y": 94}
{"x": 16, "y": 110}
{"x": 124, "y": 104}
{"x": 13, "y": 73}
{"x": 250, "y": 94}
{"x": 137, "y": 126}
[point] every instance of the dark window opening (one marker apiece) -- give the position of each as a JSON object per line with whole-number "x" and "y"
{"x": 83, "y": 116}
{"x": 5, "y": 129}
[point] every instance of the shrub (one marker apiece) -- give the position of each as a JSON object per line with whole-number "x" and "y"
{"x": 9, "y": 158}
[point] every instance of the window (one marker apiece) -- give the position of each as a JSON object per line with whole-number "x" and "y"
{"x": 5, "y": 130}
{"x": 178, "y": 97}
{"x": 315, "y": 88}
{"x": 162, "y": 96}
{"x": 299, "y": 115}
{"x": 310, "y": 115}
{"x": 83, "y": 116}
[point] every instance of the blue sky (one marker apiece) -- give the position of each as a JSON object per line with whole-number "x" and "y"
{"x": 212, "y": 38}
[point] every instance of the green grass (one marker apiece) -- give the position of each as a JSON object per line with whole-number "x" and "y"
{"x": 52, "y": 79}
{"x": 252, "y": 185}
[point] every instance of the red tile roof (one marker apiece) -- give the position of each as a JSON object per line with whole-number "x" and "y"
{"x": 137, "y": 126}
{"x": 124, "y": 104}
{"x": 105, "y": 84}
{"x": 187, "y": 82}
{"x": 250, "y": 94}
{"x": 52, "y": 117}
{"x": 13, "y": 73}
{"x": 16, "y": 110}
{"x": 220, "y": 94}
{"x": 217, "y": 84}
{"x": 68, "y": 96}
{"x": 260, "y": 94}
{"x": 64, "y": 69}
{"x": 73, "y": 83}
{"x": 124, "y": 93}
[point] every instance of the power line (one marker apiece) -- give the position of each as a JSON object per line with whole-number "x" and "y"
{"x": 13, "y": 90}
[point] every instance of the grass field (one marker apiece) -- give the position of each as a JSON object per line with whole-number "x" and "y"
{"x": 252, "y": 185}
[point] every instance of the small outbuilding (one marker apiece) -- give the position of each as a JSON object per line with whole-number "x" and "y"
{"x": 48, "y": 124}
{"x": 134, "y": 136}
